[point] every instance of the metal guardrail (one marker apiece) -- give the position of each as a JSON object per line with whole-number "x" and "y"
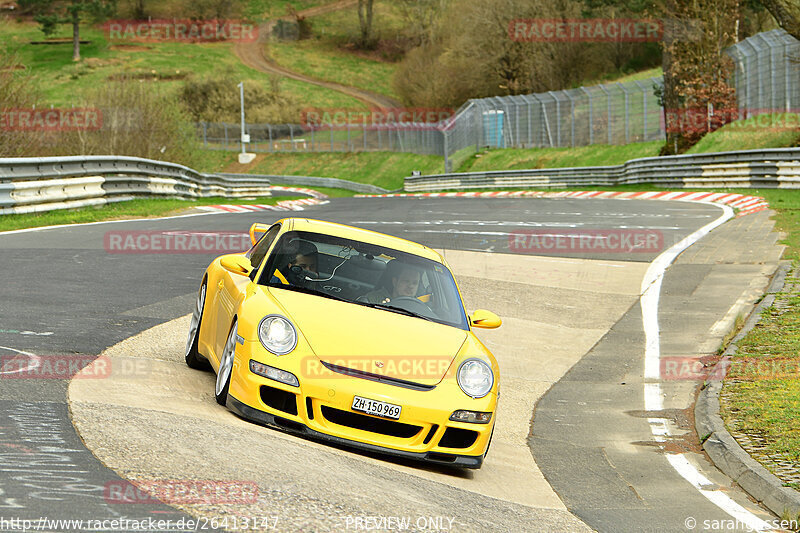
{"x": 42, "y": 184}
{"x": 769, "y": 168}
{"x": 310, "y": 181}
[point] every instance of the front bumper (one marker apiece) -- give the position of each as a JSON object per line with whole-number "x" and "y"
{"x": 284, "y": 424}
{"x": 321, "y": 408}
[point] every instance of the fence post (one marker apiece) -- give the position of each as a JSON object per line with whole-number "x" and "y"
{"x": 530, "y": 122}
{"x": 786, "y": 75}
{"x": 571, "y": 119}
{"x": 591, "y": 115}
{"x": 546, "y": 121}
{"x": 608, "y": 112}
{"x": 558, "y": 117}
{"x": 627, "y": 115}
{"x": 772, "y": 106}
{"x": 447, "y": 162}
{"x": 760, "y": 86}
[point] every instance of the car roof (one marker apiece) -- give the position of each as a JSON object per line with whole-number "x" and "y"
{"x": 363, "y": 235}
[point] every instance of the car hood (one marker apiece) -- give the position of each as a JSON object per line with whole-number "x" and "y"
{"x": 369, "y": 340}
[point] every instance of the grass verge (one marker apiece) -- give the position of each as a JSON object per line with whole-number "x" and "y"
{"x": 139, "y": 208}
{"x": 579, "y": 156}
{"x": 325, "y": 61}
{"x": 165, "y": 65}
{"x": 762, "y": 131}
{"x": 384, "y": 169}
{"x": 761, "y": 395}
{"x": 331, "y": 192}
{"x": 762, "y": 390}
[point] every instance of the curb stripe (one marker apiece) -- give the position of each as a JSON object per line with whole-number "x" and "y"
{"x": 745, "y": 204}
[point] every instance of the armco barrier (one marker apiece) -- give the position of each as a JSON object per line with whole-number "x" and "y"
{"x": 311, "y": 181}
{"x": 47, "y": 183}
{"x": 38, "y": 184}
{"x": 769, "y": 168}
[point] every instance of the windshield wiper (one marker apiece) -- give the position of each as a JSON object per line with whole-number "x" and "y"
{"x": 394, "y": 309}
{"x": 306, "y": 290}
{"x": 383, "y": 307}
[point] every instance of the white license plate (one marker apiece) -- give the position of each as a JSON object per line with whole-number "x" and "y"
{"x": 374, "y": 407}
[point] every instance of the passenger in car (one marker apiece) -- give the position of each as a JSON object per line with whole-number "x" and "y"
{"x": 399, "y": 280}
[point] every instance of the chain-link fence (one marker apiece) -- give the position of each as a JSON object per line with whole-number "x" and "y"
{"x": 401, "y": 137}
{"x": 614, "y": 113}
{"x": 767, "y": 80}
{"x": 767, "y": 73}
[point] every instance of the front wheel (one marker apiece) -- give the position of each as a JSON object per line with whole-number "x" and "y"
{"x": 193, "y": 357}
{"x": 226, "y": 367}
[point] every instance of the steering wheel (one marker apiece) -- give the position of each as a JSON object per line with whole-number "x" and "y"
{"x": 421, "y": 307}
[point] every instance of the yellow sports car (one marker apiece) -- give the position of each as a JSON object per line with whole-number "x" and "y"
{"x": 349, "y": 336}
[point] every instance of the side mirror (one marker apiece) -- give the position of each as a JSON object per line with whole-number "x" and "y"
{"x": 237, "y": 264}
{"x": 257, "y": 231}
{"x": 485, "y": 319}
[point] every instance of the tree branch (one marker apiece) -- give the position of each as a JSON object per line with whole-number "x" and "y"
{"x": 787, "y": 13}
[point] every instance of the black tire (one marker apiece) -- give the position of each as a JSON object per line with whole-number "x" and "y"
{"x": 225, "y": 370}
{"x": 193, "y": 358}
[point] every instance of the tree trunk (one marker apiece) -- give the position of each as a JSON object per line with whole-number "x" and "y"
{"x": 76, "y": 36}
{"x": 365, "y": 21}
{"x": 138, "y": 11}
{"x": 787, "y": 13}
{"x": 669, "y": 97}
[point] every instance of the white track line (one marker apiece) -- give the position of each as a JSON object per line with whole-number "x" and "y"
{"x": 653, "y": 396}
{"x": 35, "y": 361}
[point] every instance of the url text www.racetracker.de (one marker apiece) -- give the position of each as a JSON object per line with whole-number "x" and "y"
{"x": 228, "y": 523}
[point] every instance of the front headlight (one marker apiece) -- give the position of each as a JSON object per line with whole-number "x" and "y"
{"x": 475, "y": 378}
{"x": 277, "y": 334}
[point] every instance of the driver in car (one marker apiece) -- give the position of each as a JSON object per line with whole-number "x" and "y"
{"x": 404, "y": 281}
{"x": 302, "y": 259}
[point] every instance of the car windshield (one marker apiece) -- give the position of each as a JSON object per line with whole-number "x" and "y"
{"x": 365, "y": 274}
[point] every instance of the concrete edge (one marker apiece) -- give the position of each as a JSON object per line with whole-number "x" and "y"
{"x": 720, "y": 445}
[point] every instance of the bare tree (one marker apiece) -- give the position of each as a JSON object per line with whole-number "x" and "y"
{"x": 365, "y": 11}
{"x": 696, "y": 69}
{"x": 421, "y": 17}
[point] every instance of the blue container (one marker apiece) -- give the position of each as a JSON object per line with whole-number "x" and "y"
{"x": 493, "y": 128}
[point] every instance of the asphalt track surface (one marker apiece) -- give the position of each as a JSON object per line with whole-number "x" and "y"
{"x": 64, "y": 294}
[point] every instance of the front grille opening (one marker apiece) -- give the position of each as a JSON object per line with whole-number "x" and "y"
{"x": 309, "y": 409}
{"x": 279, "y": 399}
{"x": 441, "y": 457}
{"x": 458, "y": 438}
{"x": 288, "y": 424}
{"x": 431, "y": 433}
{"x": 369, "y": 423}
